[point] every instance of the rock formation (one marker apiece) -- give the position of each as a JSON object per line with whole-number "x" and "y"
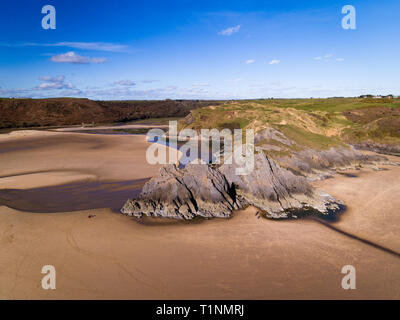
{"x": 317, "y": 165}
{"x": 277, "y": 191}
{"x": 196, "y": 190}
{"x": 202, "y": 190}
{"x": 379, "y": 147}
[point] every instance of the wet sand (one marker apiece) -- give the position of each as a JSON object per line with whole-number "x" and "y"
{"x": 110, "y": 256}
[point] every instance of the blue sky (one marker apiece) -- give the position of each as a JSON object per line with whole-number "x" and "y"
{"x": 198, "y": 49}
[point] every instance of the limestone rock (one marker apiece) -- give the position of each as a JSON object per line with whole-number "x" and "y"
{"x": 317, "y": 165}
{"x": 277, "y": 191}
{"x": 393, "y": 149}
{"x": 196, "y": 190}
{"x": 202, "y": 190}
{"x": 272, "y": 134}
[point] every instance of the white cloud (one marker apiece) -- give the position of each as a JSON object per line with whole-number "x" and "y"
{"x": 54, "y": 83}
{"x": 230, "y": 31}
{"x": 275, "y": 61}
{"x": 126, "y": 83}
{"x": 199, "y": 85}
{"x": 72, "y": 57}
{"x": 170, "y": 88}
{"x": 52, "y": 79}
{"x": 250, "y": 61}
{"x": 149, "y": 81}
{"x": 327, "y": 58}
{"x": 95, "y": 46}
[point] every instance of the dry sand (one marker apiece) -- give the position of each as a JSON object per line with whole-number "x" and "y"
{"x": 111, "y": 256}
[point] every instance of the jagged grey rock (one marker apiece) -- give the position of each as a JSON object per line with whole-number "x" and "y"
{"x": 277, "y": 191}
{"x": 202, "y": 190}
{"x": 272, "y": 134}
{"x": 196, "y": 190}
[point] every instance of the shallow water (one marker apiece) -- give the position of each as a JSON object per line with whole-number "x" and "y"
{"x": 75, "y": 196}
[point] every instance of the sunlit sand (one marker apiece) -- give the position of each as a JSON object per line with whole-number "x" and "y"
{"x": 111, "y": 256}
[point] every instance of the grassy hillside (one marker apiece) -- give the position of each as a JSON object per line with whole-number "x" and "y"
{"x": 310, "y": 123}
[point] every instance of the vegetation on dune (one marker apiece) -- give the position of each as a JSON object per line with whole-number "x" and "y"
{"x": 310, "y": 123}
{"x": 378, "y": 124}
{"x": 309, "y": 139}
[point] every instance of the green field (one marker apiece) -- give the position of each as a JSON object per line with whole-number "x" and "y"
{"x": 330, "y": 104}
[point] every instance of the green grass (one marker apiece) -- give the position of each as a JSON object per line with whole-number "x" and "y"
{"x": 238, "y": 123}
{"x": 329, "y": 105}
{"x": 308, "y": 139}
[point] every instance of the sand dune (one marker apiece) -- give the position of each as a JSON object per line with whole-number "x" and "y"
{"x": 111, "y": 256}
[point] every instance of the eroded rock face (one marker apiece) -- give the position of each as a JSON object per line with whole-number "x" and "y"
{"x": 277, "y": 191}
{"x": 201, "y": 190}
{"x": 272, "y": 134}
{"x": 379, "y": 147}
{"x": 196, "y": 190}
{"x": 317, "y": 165}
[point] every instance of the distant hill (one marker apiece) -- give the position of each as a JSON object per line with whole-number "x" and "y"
{"x": 17, "y": 113}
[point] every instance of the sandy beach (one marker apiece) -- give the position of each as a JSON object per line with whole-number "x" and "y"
{"x": 51, "y": 182}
